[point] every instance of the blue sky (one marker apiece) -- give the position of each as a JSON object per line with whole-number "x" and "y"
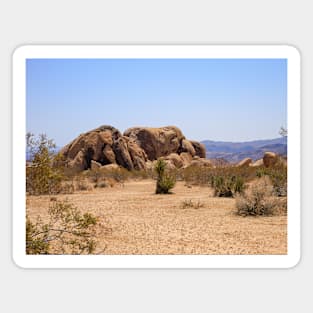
{"x": 216, "y": 99}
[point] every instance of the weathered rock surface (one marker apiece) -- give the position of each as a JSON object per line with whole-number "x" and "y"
{"x": 270, "y": 159}
{"x": 186, "y": 146}
{"x": 156, "y": 142}
{"x": 175, "y": 159}
{"x": 257, "y": 163}
{"x": 186, "y": 158}
{"x": 201, "y": 162}
{"x": 199, "y": 148}
{"x": 133, "y": 150}
{"x": 245, "y": 162}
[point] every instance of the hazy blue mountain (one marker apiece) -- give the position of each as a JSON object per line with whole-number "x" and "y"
{"x": 236, "y": 151}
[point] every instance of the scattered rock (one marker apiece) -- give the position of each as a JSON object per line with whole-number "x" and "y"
{"x": 257, "y": 163}
{"x": 201, "y": 162}
{"x": 175, "y": 159}
{"x": 110, "y": 167}
{"x": 95, "y": 165}
{"x": 245, "y": 162}
{"x": 270, "y": 159}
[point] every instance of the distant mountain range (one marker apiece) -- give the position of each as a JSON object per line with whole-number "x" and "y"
{"x": 236, "y": 151}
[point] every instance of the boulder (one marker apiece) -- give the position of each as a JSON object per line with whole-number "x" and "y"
{"x": 175, "y": 159}
{"x": 122, "y": 155}
{"x": 201, "y": 162}
{"x": 79, "y": 162}
{"x": 186, "y": 146}
{"x": 109, "y": 154}
{"x": 186, "y": 158}
{"x": 95, "y": 165}
{"x": 270, "y": 159}
{"x": 257, "y": 163}
{"x": 109, "y": 167}
{"x": 199, "y": 148}
{"x": 156, "y": 142}
{"x": 244, "y": 163}
{"x": 138, "y": 155}
{"x": 94, "y": 145}
{"x": 170, "y": 166}
{"x": 106, "y": 145}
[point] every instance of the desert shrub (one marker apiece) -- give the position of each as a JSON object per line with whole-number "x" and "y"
{"x": 67, "y": 187}
{"x": 102, "y": 184}
{"x": 165, "y": 180}
{"x": 95, "y": 175}
{"x": 67, "y": 231}
{"x": 197, "y": 175}
{"x": 189, "y": 204}
{"x": 227, "y": 186}
{"x": 257, "y": 199}
{"x": 82, "y": 184}
{"x": 224, "y": 177}
{"x": 278, "y": 177}
{"x": 42, "y": 177}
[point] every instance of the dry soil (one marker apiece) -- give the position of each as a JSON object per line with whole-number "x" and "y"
{"x": 134, "y": 220}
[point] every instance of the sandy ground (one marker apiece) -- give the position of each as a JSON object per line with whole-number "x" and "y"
{"x": 134, "y": 220}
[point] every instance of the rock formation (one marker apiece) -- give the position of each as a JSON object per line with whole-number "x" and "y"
{"x": 270, "y": 159}
{"x": 135, "y": 149}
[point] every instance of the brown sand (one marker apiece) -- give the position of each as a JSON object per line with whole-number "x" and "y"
{"x": 142, "y": 222}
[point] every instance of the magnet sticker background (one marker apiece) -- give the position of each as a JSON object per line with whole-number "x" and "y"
{"x": 239, "y": 93}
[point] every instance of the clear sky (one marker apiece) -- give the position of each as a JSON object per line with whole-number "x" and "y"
{"x": 216, "y": 99}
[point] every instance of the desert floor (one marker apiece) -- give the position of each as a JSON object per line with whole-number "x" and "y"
{"x": 134, "y": 220}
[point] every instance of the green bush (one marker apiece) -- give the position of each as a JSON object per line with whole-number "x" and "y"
{"x": 42, "y": 177}
{"x": 278, "y": 177}
{"x": 227, "y": 186}
{"x": 67, "y": 231}
{"x": 165, "y": 181}
{"x": 224, "y": 179}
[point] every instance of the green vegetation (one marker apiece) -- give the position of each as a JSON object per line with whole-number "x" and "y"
{"x": 42, "y": 177}
{"x": 67, "y": 231}
{"x": 165, "y": 180}
{"x": 278, "y": 177}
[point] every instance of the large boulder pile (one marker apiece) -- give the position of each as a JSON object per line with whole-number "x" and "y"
{"x": 135, "y": 149}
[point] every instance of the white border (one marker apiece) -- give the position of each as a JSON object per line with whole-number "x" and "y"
{"x": 160, "y": 261}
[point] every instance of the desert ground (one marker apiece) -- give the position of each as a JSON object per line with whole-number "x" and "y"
{"x": 134, "y": 220}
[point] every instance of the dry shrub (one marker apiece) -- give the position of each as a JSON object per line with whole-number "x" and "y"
{"x": 67, "y": 187}
{"x": 257, "y": 199}
{"x": 200, "y": 175}
{"x": 81, "y": 184}
{"x": 42, "y": 177}
{"x": 189, "y": 204}
{"x": 102, "y": 184}
{"x": 68, "y": 231}
{"x": 196, "y": 175}
{"x": 278, "y": 175}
